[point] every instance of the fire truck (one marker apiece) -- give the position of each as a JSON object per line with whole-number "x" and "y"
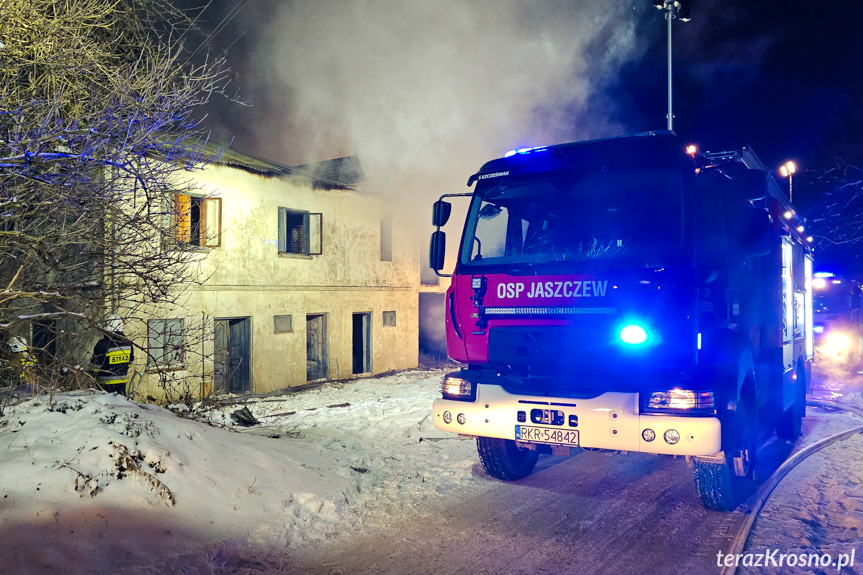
{"x": 627, "y": 294}
{"x": 838, "y": 323}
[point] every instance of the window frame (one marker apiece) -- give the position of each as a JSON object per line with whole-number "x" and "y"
{"x": 386, "y": 239}
{"x": 290, "y": 322}
{"x": 309, "y": 221}
{"x": 178, "y": 351}
{"x": 208, "y": 207}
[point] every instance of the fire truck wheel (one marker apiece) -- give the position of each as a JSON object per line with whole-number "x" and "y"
{"x": 723, "y": 486}
{"x": 503, "y": 459}
{"x": 790, "y": 423}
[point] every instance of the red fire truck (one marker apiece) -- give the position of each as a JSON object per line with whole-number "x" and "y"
{"x": 623, "y": 294}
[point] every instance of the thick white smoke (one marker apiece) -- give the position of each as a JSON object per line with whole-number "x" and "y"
{"x": 425, "y": 91}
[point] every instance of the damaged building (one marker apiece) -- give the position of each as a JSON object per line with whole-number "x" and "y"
{"x": 307, "y": 278}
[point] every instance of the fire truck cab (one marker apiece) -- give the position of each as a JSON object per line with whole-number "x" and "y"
{"x": 622, "y": 294}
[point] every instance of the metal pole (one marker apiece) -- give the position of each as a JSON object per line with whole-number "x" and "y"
{"x": 790, "y": 189}
{"x": 669, "y": 16}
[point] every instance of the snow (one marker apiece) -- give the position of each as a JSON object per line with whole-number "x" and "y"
{"x": 818, "y": 507}
{"x": 95, "y": 483}
{"x": 321, "y": 462}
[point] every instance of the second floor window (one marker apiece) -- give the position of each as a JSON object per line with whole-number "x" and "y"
{"x": 300, "y": 232}
{"x": 198, "y": 220}
{"x": 386, "y": 240}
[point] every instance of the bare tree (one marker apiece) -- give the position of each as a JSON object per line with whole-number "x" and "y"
{"x": 832, "y": 192}
{"x": 97, "y": 134}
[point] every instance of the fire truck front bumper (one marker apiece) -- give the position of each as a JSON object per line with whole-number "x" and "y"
{"x": 609, "y": 421}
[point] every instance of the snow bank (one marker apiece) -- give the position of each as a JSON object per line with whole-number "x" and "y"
{"x": 98, "y": 481}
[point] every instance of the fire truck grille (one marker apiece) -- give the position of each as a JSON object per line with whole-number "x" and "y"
{"x": 551, "y": 345}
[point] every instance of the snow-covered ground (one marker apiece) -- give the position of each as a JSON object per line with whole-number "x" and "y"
{"x": 818, "y": 508}
{"x": 94, "y": 483}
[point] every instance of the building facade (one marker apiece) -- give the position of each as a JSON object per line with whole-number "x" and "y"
{"x": 306, "y": 277}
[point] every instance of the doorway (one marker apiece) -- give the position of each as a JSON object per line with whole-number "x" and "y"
{"x": 316, "y": 347}
{"x": 232, "y": 352}
{"x": 362, "y": 339}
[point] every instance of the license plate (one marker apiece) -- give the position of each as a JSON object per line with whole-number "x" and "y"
{"x": 551, "y": 435}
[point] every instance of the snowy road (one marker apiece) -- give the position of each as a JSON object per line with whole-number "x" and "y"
{"x": 589, "y": 513}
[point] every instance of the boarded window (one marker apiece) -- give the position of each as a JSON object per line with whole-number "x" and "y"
{"x": 165, "y": 342}
{"x": 386, "y": 240}
{"x": 282, "y": 324}
{"x": 389, "y": 319}
{"x": 300, "y": 232}
{"x": 198, "y": 220}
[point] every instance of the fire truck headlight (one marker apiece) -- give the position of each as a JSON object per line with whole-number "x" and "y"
{"x": 456, "y": 387}
{"x": 648, "y": 435}
{"x": 680, "y": 400}
{"x": 633, "y": 334}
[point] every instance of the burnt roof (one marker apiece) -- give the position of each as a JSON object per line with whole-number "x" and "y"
{"x": 338, "y": 174}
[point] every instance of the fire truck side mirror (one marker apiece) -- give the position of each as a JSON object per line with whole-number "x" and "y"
{"x": 437, "y": 250}
{"x": 440, "y": 213}
{"x": 756, "y": 229}
{"x": 751, "y": 185}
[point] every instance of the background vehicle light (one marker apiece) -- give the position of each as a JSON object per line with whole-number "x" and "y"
{"x": 447, "y": 417}
{"x": 648, "y": 435}
{"x": 836, "y": 344}
{"x": 633, "y": 334}
{"x": 461, "y": 418}
{"x": 454, "y": 387}
{"x": 818, "y": 329}
{"x": 671, "y": 436}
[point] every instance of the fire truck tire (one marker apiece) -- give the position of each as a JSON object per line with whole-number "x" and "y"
{"x": 723, "y": 486}
{"x": 503, "y": 459}
{"x": 790, "y": 424}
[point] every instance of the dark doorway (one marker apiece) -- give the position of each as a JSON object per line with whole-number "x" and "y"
{"x": 232, "y": 352}
{"x": 44, "y": 340}
{"x": 362, "y": 343}
{"x": 316, "y": 347}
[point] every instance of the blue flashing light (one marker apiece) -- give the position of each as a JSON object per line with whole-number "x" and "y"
{"x": 633, "y": 334}
{"x": 824, "y": 274}
{"x": 523, "y": 151}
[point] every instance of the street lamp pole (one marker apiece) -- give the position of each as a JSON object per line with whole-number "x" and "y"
{"x": 787, "y": 170}
{"x": 673, "y": 9}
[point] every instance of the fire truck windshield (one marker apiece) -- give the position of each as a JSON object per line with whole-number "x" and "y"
{"x": 629, "y": 217}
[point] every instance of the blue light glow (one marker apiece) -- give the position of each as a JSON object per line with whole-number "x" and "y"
{"x": 523, "y": 151}
{"x": 633, "y": 334}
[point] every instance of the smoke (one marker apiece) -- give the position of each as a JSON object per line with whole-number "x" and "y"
{"x": 424, "y": 92}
